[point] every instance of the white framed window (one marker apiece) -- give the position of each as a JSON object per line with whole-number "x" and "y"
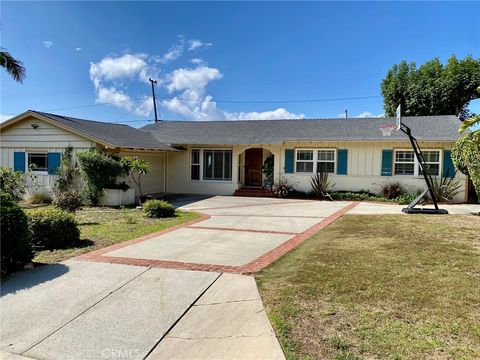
{"x": 315, "y": 160}
{"x": 406, "y": 162}
{"x": 195, "y": 164}
{"x": 304, "y": 161}
{"x": 326, "y": 160}
{"x": 432, "y": 158}
{"x": 37, "y": 162}
{"x": 211, "y": 164}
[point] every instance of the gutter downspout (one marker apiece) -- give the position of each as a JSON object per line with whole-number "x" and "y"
{"x": 165, "y": 172}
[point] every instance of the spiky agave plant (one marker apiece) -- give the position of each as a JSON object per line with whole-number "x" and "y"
{"x": 321, "y": 184}
{"x": 446, "y": 188}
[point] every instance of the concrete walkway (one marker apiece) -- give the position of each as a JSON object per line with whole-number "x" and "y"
{"x": 87, "y": 310}
{"x": 370, "y": 208}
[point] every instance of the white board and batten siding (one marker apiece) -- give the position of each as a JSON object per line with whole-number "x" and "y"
{"x": 24, "y": 137}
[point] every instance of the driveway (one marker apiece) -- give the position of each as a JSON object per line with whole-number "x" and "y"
{"x": 235, "y": 234}
{"x": 142, "y": 300}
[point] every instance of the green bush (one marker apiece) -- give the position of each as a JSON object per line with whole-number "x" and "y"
{"x": 13, "y": 183}
{"x": 69, "y": 201}
{"x": 158, "y": 209}
{"x": 53, "y": 229}
{"x": 39, "y": 198}
{"x": 16, "y": 245}
{"x": 100, "y": 171}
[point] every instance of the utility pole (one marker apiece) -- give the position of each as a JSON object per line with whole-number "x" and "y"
{"x": 154, "y": 101}
{"x": 346, "y": 113}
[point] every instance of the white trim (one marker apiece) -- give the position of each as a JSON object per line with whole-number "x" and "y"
{"x": 201, "y": 179}
{"x": 416, "y": 164}
{"x": 315, "y": 160}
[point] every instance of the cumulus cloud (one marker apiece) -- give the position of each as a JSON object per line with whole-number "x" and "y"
{"x": 127, "y": 66}
{"x": 193, "y": 103}
{"x": 78, "y": 49}
{"x": 186, "y": 86}
{"x": 367, "y": 114}
{"x": 47, "y": 43}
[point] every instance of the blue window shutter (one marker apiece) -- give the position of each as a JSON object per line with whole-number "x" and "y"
{"x": 342, "y": 161}
{"x": 19, "y": 161}
{"x": 289, "y": 161}
{"x": 53, "y": 162}
{"x": 387, "y": 163}
{"x": 448, "y": 167}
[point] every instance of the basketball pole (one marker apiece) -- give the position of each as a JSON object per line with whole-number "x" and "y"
{"x": 411, "y": 209}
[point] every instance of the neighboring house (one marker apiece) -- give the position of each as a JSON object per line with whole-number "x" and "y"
{"x": 218, "y": 157}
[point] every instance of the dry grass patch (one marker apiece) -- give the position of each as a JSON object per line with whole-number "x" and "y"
{"x": 101, "y": 227}
{"x": 386, "y": 287}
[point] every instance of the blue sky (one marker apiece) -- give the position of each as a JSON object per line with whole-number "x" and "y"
{"x": 212, "y": 60}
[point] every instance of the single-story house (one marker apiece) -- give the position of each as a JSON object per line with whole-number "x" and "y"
{"x": 219, "y": 157}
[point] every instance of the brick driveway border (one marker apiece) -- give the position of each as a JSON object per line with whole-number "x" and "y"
{"x": 252, "y": 267}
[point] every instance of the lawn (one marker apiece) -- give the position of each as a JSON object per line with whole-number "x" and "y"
{"x": 101, "y": 227}
{"x": 381, "y": 287}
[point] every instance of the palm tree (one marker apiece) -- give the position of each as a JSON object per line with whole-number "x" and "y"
{"x": 13, "y": 66}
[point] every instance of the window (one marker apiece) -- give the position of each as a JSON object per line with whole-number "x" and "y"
{"x": 407, "y": 164}
{"x": 404, "y": 162}
{"x": 326, "y": 161}
{"x": 217, "y": 165}
{"x": 37, "y": 161}
{"x": 195, "y": 165}
{"x": 432, "y": 158}
{"x": 305, "y": 161}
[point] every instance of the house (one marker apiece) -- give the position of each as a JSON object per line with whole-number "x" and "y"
{"x": 219, "y": 157}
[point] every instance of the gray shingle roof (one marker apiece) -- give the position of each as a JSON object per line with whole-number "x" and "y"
{"x": 428, "y": 128}
{"x": 115, "y": 134}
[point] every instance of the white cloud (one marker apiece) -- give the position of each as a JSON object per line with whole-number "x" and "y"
{"x": 78, "y": 49}
{"x": 47, "y": 43}
{"x": 191, "y": 79}
{"x": 4, "y": 117}
{"x": 197, "y": 61}
{"x": 367, "y": 114}
{"x": 125, "y": 66}
{"x": 280, "y": 113}
{"x": 175, "y": 51}
{"x": 193, "y": 103}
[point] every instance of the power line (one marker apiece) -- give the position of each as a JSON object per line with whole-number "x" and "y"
{"x": 224, "y": 101}
{"x": 134, "y": 109}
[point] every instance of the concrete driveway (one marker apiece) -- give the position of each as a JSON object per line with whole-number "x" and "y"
{"x": 238, "y": 235}
{"x": 141, "y": 299}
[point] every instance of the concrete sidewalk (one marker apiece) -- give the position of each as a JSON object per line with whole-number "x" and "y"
{"x": 86, "y": 310}
{"x": 370, "y": 208}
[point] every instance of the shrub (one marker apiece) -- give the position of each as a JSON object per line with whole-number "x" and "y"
{"x": 137, "y": 168}
{"x": 69, "y": 201}
{"x": 16, "y": 245}
{"x": 320, "y": 185}
{"x": 446, "y": 188}
{"x": 13, "y": 183}
{"x": 39, "y": 198}
{"x": 100, "y": 171}
{"x": 405, "y": 199}
{"x": 158, "y": 209}
{"x": 392, "y": 190}
{"x": 53, "y": 229}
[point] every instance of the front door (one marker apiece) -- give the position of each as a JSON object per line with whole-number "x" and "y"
{"x": 253, "y": 167}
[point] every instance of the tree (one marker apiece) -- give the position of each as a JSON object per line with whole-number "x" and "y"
{"x": 433, "y": 88}
{"x": 137, "y": 168}
{"x": 466, "y": 153}
{"x": 13, "y": 66}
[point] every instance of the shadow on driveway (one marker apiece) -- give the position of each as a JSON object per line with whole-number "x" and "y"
{"x": 30, "y": 278}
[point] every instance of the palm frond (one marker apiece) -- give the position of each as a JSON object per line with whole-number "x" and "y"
{"x": 13, "y": 66}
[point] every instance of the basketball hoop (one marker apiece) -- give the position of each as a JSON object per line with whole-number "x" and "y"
{"x": 387, "y": 129}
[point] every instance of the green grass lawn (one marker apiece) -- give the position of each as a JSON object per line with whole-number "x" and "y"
{"x": 101, "y": 227}
{"x": 380, "y": 287}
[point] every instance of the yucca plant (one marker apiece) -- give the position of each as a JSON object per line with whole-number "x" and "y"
{"x": 446, "y": 188}
{"x": 321, "y": 184}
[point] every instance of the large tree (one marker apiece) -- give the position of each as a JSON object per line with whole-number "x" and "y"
{"x": 13, "y": 66}
{"x": 433, "y": 88}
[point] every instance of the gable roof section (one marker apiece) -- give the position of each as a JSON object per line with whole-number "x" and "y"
{"x": 114, "y": 135}
{"x": 424, "y": 128}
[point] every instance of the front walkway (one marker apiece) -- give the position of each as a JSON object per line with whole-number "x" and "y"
{"x": 236, "y": 235}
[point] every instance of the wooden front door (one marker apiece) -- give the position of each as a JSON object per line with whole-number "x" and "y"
{"x": 253, "y": 167}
